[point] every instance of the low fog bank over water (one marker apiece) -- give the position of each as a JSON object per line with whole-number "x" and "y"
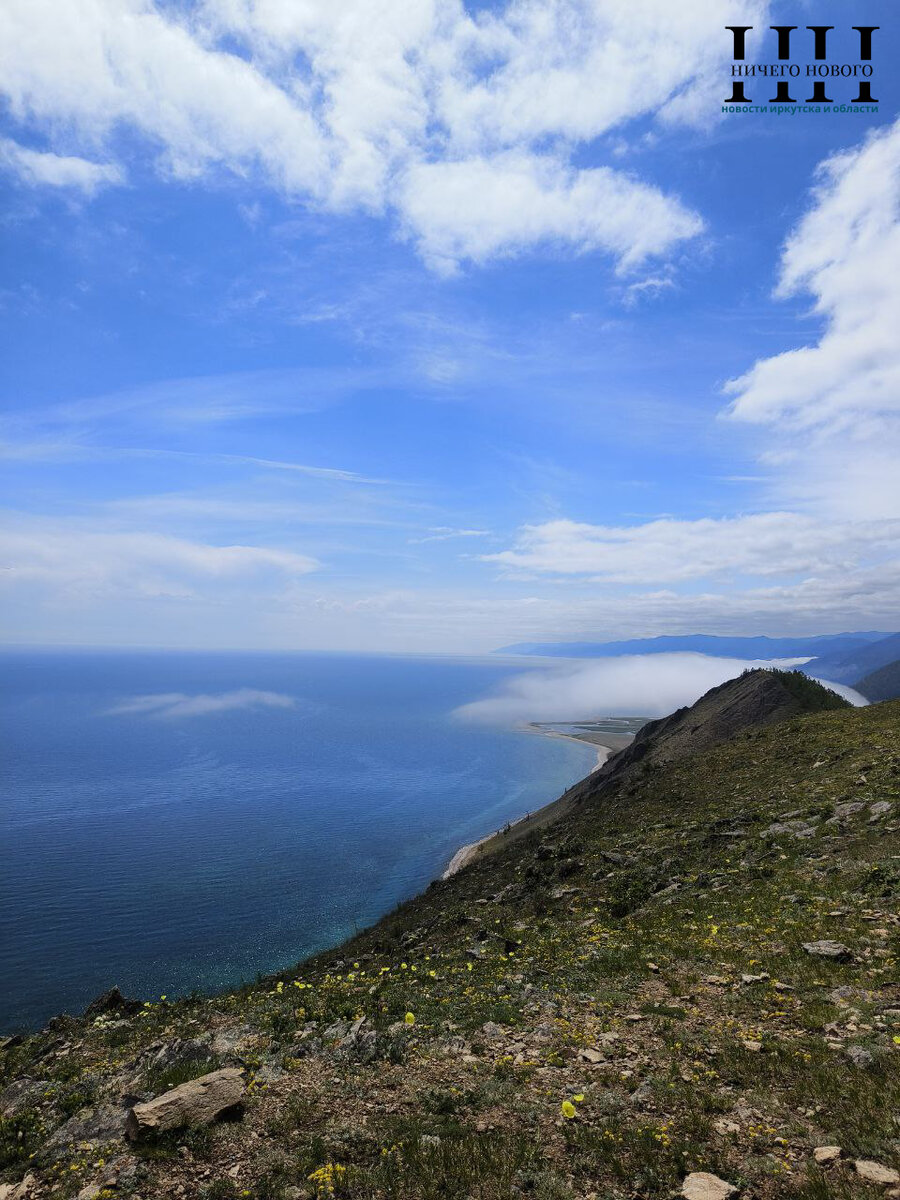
{"x": 649, "y": 685}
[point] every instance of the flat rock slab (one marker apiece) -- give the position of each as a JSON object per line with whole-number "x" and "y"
{"x": 874, "y": 1172}
{"x": 196, "y": 1102}
{"x": 826, "y": 1155}
{"x": 700, "y": 1185}
{"x": 828, "y": 949}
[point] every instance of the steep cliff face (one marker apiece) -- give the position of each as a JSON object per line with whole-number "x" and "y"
{"x": 754, "y": 700}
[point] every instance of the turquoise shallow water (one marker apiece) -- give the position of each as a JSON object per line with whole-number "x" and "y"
{"x": 179, "y": 821}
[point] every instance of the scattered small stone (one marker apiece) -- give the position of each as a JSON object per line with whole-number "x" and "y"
{"x": 725, "y": 1127}
{"x": 874, "y": 1172}
{"x": 491, "y": 1030}
{"x": 795, "y": 829}
{"x": 755, "y": 978}
{"x": 591, "y": 1056}
{"x": 21, "y": 1093}
{"x": 825, "y": 948}
{"x": 752, "y": 1046}
{"x": 861, "y": 1058}
{"x": 826, "y": 1155}
{"x": 700, "y": 1185}
{"x": 880, "y": 809}
{"x": 643, "y": 1093}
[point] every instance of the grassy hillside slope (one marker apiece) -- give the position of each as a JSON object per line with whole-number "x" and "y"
{"x": 595, "y": 1011}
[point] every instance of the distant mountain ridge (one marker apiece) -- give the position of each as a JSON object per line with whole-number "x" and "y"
{"x": 823, "y": 646}
{"x": 883, "y": 684}
{"x": 839, "y": 658}
{"x": 857, "y": 662}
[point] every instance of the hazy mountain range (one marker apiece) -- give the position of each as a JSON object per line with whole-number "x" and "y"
{"x": 843, "y": 657}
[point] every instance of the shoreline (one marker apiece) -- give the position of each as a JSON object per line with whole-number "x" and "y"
{"x": 540, "y": 816}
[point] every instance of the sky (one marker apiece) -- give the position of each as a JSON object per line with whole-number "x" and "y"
{"x": 428, "y": 327}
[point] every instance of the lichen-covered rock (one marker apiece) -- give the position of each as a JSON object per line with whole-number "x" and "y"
{"x": 197, "y": 1102}
{"x": 797, "y": 829}
{"x": 97, "y": 1126}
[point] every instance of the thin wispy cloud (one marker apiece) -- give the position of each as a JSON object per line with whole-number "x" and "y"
{"x": 443, "y": 533}
{"x": 169, "y": 706}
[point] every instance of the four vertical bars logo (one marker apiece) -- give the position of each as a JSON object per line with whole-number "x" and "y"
{"x": 819, "y": 71}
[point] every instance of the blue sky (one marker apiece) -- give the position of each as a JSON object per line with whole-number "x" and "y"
{"x": 416, "y": 328}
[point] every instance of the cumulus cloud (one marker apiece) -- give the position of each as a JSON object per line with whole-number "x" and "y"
{"x": 831, "y": 416}
{"x": 480, "y": 209}
{"x": 845, "y": 252}
{"x": 646, "y": 685}
{"x": 172, "y": 705}
{"x": 835, "y": 404}
{"x": 462, "y": 127}
{"x": 58, "y": 170}
{"x": 670, "y": 551}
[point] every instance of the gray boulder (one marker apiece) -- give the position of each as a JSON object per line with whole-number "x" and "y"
{"x": 836, "y": 951}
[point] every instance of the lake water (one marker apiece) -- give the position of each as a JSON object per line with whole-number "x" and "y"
{"x": 177, "y": 821}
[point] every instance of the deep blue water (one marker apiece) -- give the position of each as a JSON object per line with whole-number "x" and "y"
{"x": 164, "y": 849}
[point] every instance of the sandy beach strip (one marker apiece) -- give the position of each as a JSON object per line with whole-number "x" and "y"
{"x": 532, "y": 820}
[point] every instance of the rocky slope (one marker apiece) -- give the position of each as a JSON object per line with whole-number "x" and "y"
{"x": 752, "y": 701}
{"x": 690, "y": 984}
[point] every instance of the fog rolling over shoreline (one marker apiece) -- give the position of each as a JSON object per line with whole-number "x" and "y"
{"x": 649, "y": 685}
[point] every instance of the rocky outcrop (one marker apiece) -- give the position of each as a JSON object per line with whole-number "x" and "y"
{"x": 194, "y": 1103}
{"x": 112, "y": 1004}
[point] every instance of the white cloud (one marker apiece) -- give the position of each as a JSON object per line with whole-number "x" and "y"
{"x": 831, "y": 416}
{"x": 444, "y": 533}
{"x": 845, "y": 252}
{"x": 647, "y": 685}
{"x": 71, "y": 556}
{"x": 418, "y": 110}
{"x": 480, "y": 209}
{"x": 671, "y": 551}
{"x": 58, "y": 170}
{"x": 172, "y": 705}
